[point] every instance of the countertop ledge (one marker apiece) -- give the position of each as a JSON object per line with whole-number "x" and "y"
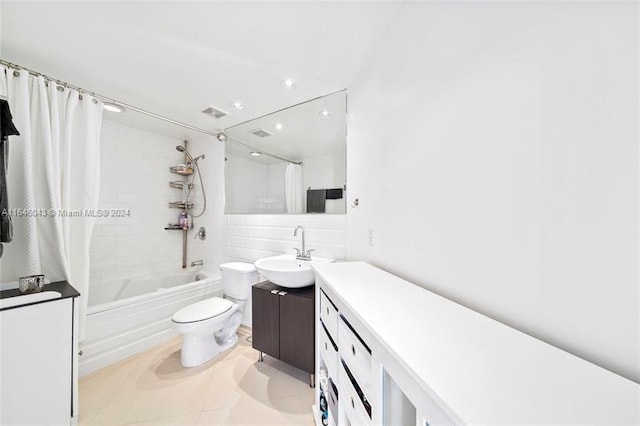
{"x": 65, "y": 289}
{"x": 482, "y": 370}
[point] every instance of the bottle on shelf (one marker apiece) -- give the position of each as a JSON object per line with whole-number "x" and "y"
{"x": 184, "y": 220}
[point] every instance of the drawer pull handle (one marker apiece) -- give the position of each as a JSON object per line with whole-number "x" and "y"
{"x": 353, "y": 350}
{"x": 353, "y": 404}
{"x": 327, "y": 310}
{"x": 325, "y": 346}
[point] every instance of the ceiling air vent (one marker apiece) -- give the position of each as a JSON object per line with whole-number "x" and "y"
{"x": 262, "y": 133}
{"x": 214, "y": 112}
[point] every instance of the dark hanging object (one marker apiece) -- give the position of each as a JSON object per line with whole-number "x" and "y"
{"x": 334, "y": 194}
{"x": 316, "y": 200}
{"x": 7, "y": 128}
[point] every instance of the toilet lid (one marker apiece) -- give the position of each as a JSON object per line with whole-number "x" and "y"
{"x": 203, "y": 310}
{"x": 240, "y": 267}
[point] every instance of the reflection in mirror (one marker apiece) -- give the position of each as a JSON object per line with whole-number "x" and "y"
{"x": 290, "y": 161}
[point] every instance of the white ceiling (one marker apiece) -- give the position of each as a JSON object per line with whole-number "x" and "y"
{"x": 304, "y": 133}
{"x": 175, "y": 58}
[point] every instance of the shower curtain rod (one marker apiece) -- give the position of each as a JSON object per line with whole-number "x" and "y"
{"x": 143, "y": 111}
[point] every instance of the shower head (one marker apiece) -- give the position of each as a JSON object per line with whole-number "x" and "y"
{"x": 181, "y": 148}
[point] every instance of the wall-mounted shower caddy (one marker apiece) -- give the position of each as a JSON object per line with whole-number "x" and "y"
{"x": 185, "y": 205}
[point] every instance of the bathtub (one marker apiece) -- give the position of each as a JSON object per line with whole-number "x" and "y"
{"x": 136, "y": 315}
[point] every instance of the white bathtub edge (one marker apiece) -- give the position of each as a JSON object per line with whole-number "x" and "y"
{"x": 161, "y": 291}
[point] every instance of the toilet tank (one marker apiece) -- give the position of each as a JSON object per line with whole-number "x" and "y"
{"x": 237, "y": 279}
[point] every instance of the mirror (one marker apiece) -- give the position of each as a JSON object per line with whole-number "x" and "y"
{"x": 290, "y": 161}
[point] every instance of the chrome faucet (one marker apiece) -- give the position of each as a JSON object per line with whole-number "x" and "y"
{"x": 302, "y": 254}
{"x": 197, "y": 263}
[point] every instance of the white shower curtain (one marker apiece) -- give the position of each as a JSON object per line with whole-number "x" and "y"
{"x": 53, "y": 168}
{"x": 294, "y": 190}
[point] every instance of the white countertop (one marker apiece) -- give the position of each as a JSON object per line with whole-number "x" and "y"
{"x": 484, "y": 371}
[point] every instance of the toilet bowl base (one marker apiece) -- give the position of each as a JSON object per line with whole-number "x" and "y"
{"x": 196, "y": 350}
{"x": 231, "y": 342}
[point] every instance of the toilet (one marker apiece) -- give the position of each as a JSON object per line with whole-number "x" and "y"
{"x": 209, "y": 327}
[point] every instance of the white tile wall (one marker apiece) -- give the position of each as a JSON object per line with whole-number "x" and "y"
{"x": 250, "y": 237}
{"x": 135, "y": 176}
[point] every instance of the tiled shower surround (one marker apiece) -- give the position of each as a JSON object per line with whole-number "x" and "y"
{"x": 135, "y": 178}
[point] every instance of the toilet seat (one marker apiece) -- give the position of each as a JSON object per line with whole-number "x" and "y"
{"x": 203, "y": 310}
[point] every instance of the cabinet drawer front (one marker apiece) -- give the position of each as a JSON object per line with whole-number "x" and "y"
{"x": 353, "y": 406}
{"x": 355, "y": 354}
{"x": 329, "y": 315}
{"x": 329, "y": 353}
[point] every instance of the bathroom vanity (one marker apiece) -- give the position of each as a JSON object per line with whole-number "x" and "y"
{"x": 38, "y": 368}
{"x": 397, "y": 354}
{"x": 283, "y": 324}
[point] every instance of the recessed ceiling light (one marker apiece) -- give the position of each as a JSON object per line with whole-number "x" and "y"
{"x": 324, "y": 113}
{"x": 255, "y": 153}
{"x": 278, "y": 126}
{"x": 112, "y": 107}
{"x": 288, "y": 83}
{"x": 237, "y": 105}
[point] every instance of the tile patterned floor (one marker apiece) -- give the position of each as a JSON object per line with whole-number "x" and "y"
{"x": 152, "y": 388}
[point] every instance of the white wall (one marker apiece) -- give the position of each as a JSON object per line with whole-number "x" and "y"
{"x": 254, "y": 187}
{"x": 135, "y": 177}
{"x": 276, "y": 188}
{"x": 326, "y": 172}
{"x": 247, "y": 180}
{"x": 493, "y": 147}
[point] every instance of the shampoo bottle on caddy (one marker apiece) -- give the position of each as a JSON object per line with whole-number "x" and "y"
{"x": 184, "y": 220}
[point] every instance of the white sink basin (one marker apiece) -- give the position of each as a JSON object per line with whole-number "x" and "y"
{"x": 286, "y": 271}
